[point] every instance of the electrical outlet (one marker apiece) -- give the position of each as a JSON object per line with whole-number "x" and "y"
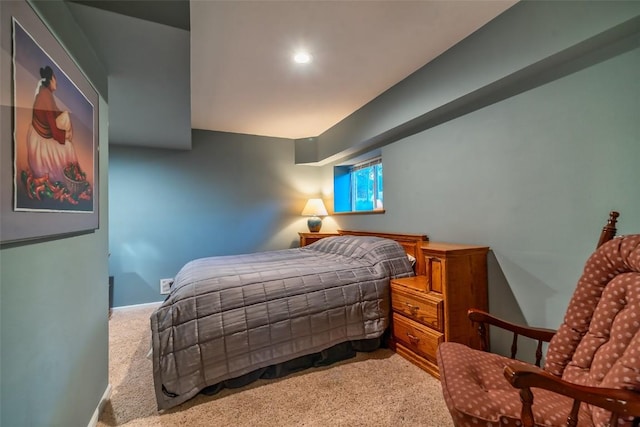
{"x": 165, "y": 286}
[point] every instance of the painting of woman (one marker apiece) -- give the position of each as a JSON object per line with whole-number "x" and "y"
{"x": 54, "y": 134}
{"x": 49, "y": 139}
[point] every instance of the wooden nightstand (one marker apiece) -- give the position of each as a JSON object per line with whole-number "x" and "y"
{"x": 432, "y": 308}
{"x": 307, "y": 238}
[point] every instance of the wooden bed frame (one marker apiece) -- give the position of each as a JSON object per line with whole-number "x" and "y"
{"x": 412, "y": 244}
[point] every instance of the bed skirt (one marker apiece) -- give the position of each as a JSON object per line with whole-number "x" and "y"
{"x": 336, "y": 353}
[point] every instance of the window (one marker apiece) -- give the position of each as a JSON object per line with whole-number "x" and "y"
{"x": 358, "y": 187}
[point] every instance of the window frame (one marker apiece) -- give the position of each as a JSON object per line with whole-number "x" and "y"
{"x": 345, "y": 202}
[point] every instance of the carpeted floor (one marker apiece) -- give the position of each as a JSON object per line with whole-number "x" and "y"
{"x": 372, "y": 389}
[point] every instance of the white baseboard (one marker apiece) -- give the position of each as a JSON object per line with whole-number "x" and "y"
{"x": 125, "y": 307}
{"x": 93, "y": 422}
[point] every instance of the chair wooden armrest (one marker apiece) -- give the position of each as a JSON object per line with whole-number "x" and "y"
{"x": 618, "y": 401}
{"x": 482, "y": 318}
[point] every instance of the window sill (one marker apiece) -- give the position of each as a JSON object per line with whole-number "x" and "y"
{"x": 377, "y": 211}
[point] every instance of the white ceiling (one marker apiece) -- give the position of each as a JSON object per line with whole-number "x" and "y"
{"x": 243, "y": 79}
{"x": 228, "y": 66}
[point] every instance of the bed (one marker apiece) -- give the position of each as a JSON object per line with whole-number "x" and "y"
{"x": 232, "y": 319}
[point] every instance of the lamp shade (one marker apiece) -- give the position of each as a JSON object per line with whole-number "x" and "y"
{"x": 314, "y": 207}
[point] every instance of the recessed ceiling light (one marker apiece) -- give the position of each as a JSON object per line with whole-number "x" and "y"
{"x": 302, "y": 57}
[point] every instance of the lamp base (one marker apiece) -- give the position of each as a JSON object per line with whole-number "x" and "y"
{"x": 315, "y": 224}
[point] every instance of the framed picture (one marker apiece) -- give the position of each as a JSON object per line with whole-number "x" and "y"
{"x": 49, "y": 129}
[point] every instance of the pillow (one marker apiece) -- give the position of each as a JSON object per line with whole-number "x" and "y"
{"x": 386, "y": 253}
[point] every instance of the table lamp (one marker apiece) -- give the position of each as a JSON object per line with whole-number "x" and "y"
{"x": 314, "y": 209}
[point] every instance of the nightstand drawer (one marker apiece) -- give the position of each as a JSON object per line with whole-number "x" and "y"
{"x": 418, "y": 283}
{"x": 423, "y": 307}
{"x": 416, "y": 337}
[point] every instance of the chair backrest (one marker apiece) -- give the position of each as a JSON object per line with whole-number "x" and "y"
{"x": 609, "y": 230}
{"x": 598, "y": 343}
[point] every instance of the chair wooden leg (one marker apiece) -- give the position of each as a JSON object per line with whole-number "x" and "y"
{"x": 526, "y": 397}
{"x": 572, "y": 419}
{"x": 613, "y": 421}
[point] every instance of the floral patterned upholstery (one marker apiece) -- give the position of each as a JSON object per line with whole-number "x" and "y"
{"x": 598, "y": 345}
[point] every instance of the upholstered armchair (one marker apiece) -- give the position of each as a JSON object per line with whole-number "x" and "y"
{"x": 591, "y": 373}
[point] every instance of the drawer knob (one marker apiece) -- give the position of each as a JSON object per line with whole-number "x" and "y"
{"x": 413, "y": 339}
{"x": 412, "y": 308}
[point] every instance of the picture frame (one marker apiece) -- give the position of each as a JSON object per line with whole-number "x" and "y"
{"x": 49, "y": 138}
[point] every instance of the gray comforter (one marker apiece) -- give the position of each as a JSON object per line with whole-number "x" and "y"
{"x": 230, "y": 315}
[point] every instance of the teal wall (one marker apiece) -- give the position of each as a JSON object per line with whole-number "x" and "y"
{"x": 533, "y": 175}
{"x": 54, "y": 324}
{"x": 230, "y": 194}
{"x": 54, "y": 309}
